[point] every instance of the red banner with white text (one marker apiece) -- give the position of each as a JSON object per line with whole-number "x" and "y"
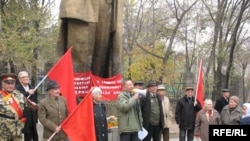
{"x": 110, "y": 87}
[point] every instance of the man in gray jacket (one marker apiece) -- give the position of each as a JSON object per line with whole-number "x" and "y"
{"x": 129, "y": 113}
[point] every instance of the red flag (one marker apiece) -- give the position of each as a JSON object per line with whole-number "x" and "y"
{"x": 199, "y": 88}
{"x": 62, "y": 72}
{"x": 79, "y": 125}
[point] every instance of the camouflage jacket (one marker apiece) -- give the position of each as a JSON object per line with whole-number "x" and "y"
{"x": 10, "y": 123}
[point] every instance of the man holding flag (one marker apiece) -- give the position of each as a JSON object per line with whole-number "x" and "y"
{"x": 52, "y": 112}
{"x": 185, "y": 114}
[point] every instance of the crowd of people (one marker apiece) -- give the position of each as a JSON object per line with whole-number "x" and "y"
{"x": 144, "y": 114}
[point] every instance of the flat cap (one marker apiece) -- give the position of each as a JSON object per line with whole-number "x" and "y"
{"x": 138, "y": 83}
{"x": 189, "y": 88}
{"x": 161, "y": 87}
{"x": 151, "y": 83}
{"x": 52, "y": 84}
{"x": 225, "y": 90}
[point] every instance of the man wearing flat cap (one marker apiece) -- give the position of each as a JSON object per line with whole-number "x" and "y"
{"x": 52, "y": 112}
{"x": 223, "y": 100}
{"x": 152, "y": 112}
{"x": 161, "y": 91}
{"x": 12, "y": 104}
{"x": 138, "y": 85}
{"x": 185, "y": 114}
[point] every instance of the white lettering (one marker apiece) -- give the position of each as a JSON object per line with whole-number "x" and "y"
{"x": 228, "y": 132}
{"x": 216, "y": 132}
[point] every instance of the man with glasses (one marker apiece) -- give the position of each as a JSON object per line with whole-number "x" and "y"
{"x": 12, "y": 103}
{"x": 24, "y": 86}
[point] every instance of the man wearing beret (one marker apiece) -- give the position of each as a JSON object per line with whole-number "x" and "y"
{"x": 12, "y": 104}
{"x": 222, "y": 101}
{"x": 185, "y": 114}
{"x": 52, "y": 112}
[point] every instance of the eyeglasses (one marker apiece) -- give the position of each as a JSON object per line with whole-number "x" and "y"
{"x": 25, "y": 77}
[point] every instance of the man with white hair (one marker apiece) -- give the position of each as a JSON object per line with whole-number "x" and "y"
{"x": 101, "y": 129}
{"x": 24, "y": 86}
{"x": 205, "y": 117}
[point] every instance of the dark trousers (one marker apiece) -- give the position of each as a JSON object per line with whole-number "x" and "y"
{"x": 165, "y": 134}
{"x": 153, "y": 132}
{"x": 186, "y": 132}
{"x": 32, "y": 135}
{"x": 129, "y": 136}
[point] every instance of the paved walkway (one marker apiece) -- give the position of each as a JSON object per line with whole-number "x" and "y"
{"x": 174, "y": 131}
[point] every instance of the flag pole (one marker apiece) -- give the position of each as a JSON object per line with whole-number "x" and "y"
{"x": 41, "y": 81}
{"x": 51, "y": 136}
{"x": 48, "y": 73}
{"x": 199, "y": 73}
{"x": 38, "y": 84}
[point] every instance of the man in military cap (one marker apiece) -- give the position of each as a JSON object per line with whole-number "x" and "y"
{"x": 12, "y": 104}
{"x": 223, "y": 100}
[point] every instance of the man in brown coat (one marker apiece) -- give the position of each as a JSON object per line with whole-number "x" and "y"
{"x": 52, "y": 112}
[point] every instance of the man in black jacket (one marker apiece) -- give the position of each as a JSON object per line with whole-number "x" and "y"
{"x": 152, "y": 113}
{"x": 30, "y": 132}
{"x": 223, "y": 100}
{"x": 185, "y": 114}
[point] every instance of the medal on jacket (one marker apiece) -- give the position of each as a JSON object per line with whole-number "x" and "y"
{"x": 10, "y": 100}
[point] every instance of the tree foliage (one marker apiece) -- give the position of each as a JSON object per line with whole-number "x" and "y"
{"x": 27, "y": 34}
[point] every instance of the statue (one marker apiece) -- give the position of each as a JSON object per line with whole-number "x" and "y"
{"x": 94, "y": 29}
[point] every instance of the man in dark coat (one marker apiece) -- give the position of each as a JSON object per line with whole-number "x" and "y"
{"x": 29, "y": 130}
{"x": 152, "y": 112}
{"x": 223, "y": 100}
{"x": 185, "y": 114}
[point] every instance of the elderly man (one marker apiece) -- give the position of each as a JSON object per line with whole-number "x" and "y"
{"x": 52, "y": 112}
{"x": 12, "y": 103}
{"x": 223, "y": 100}
{"x": 129, "y": 113}
{"x": 185, "y": 114}
{"x": 152, "y": 113}
{"x": 167, "y": 113}
{"x": 30, "y": 132}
